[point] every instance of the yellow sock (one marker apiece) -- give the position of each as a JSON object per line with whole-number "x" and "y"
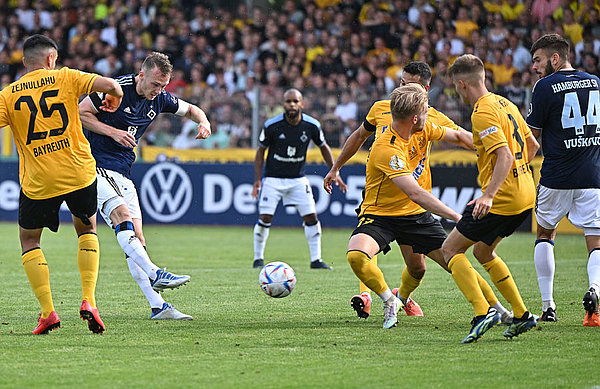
{"x": 464, "y": 276}
{"x": 488, "y": 293}
{"x": 361, "y": 285}
{"x": 505, "y": 283}
{"x": 38, "y": 274}
{"x": 88, "y": 259}
{"x": 408, "y": 285}
{"x": 367, "y": 271}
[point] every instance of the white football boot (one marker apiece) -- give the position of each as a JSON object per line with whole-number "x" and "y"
{"x": 168, "y": 312}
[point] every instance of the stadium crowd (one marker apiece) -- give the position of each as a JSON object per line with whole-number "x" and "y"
{"x": 342, "y": 54}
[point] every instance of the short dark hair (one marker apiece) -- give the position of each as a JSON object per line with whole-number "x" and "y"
{"x": 550, "y": 44}
{"x": 420, "y": 69}
{"x": 36, "y": 45}
{"x": 158, "y": 60}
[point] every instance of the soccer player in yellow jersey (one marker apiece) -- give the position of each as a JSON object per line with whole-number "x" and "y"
{"x": 395, "y": 205}
{"x": 505, "y": 145}
{"x": 55, "y": 165}
{"x": 437, "y": 127}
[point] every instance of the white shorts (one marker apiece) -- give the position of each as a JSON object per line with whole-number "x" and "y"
{"x": 293, "y": 191}
{"x": 114, "y": 189}
{"x": 582, "y": 206}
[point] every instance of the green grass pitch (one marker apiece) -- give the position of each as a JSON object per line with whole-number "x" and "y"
{"x": 242, "y": 338}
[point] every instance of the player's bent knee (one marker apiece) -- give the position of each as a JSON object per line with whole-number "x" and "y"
{"x": 357, "y": 259}
{"x": 267, "y": 219}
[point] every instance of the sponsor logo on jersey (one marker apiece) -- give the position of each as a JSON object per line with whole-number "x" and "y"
{"x": 488, "y": 131}
{"x": 127, "y": 110}
{"x": 281, "y": 136}
{"x": 396, "y": 163}
{"x": 291, "y": 151}
{"x": 166, "y": 192}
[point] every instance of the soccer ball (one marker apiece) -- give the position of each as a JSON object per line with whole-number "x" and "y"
{"x": 277, "y": 279}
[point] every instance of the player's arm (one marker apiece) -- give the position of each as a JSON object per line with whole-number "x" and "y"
{"x": 532, "y": 146}
{"x": 114, "y": 93}
{"x": 351, "y": 146}
{"x": 88, "y": 112}
{"x": 504, "y": 162}
{"x": 328, "y": 157}
{"x": 197, "y": 115}
{"x": 536, "y": 132}
{"x": 422, "y": 197}
{"x": 259, "y": 161}
{"x": 460, "y": 137}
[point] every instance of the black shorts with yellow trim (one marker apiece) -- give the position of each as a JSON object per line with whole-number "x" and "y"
{"x": 422, "y": 231}
{"x": 34, "y": 214}
{"x": 490, "y": 227}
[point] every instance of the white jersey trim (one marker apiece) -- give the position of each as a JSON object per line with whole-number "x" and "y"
{"x": 183, "y": 109}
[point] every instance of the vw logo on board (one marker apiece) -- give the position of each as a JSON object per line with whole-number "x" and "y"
{"x": 166, "y": 192}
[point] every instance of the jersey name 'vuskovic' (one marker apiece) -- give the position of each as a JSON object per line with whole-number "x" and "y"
{"x": 288, "y": 143}
{"x": 566, "y": 107}
{"x": 134, "y": 116}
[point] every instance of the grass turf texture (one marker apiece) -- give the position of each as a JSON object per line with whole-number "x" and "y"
{"x": 241, "y": 337}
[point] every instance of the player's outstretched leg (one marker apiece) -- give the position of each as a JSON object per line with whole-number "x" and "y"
{"x": 168, "y": 312}
{"x": 480, "y": 324}
{"x": 590, "y": 304}
{"x": 521, "y": 325}
{"x": 91, "y": 314}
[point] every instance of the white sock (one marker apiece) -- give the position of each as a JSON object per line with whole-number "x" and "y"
{"x": 154, "y": 298}
{"x": 385, "y": 296}
{"x": 313, "y": 235}
{"x": 593, "y": 269}
{"x": 500, "y": 308}
{"x": 543, "y": 257}
{"x": 261, "y": 233}
{"x": 133, "y": 248}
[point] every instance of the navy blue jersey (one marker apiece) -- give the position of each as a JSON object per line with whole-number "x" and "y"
{"x": 566, "y": 107}
{"x": 134, "y": 115}
{"x": 287, "y": 145}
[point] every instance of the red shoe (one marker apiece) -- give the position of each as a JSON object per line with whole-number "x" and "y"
{"x": 361, "y": 303}
{"x": 591, "y": 320}
{"x": 46, "y": 325}
{"x": 87, "y": 312}
{"x": 411, "y": 307}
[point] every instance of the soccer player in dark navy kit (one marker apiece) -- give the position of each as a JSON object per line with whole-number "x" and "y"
{"x": 287, "y": 137}
{"x": 112, "y": 137}
{"x": 565, "y": 111}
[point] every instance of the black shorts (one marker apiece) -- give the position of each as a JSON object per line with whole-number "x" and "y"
{"x": 490, "y": 227}
{"x": 422, "y": 232}
{"x": 34, "y": 214}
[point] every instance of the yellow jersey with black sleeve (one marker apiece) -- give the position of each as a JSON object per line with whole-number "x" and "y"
{"x": 388, "y": 159}
{"x": 42, "y": 110}
{"x": 497, "y": 122}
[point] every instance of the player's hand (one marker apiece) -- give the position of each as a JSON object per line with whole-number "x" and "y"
{"x": 256, "y": 189}
{"x": 340, "y": 183}
{"x": 110, "y": 103}
{"x": 482, "y": 206}
{"x": 203, "y": 131}
{"x": 123, "y": 138}
{"x": 329, "y": 179}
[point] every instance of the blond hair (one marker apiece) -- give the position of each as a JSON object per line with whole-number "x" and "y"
{"x": 468, "y": 68}
{"x": 408, "y": 100}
